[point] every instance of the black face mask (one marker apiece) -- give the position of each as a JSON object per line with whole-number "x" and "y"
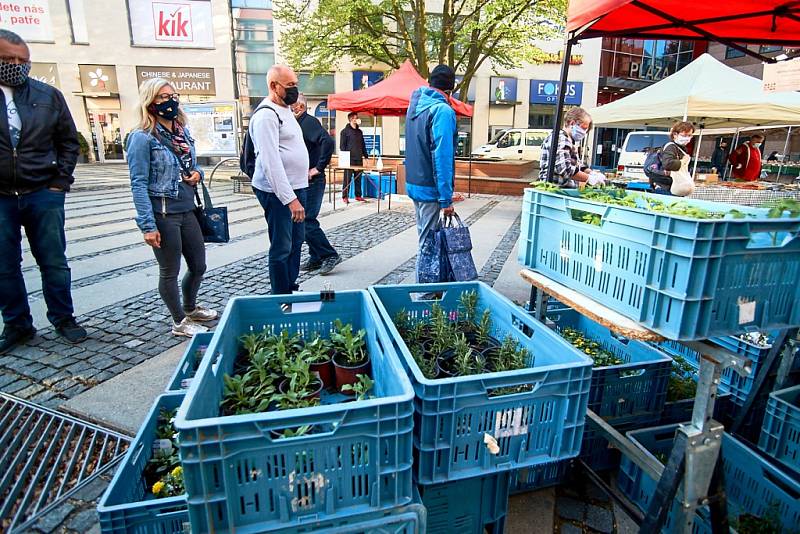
{"x": 14, "y": 74}
{"x": 168, "y": 109}
{"x": 291, "y": 95}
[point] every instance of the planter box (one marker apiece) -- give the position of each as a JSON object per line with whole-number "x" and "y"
{"x": 453, "y": 416}
{"x": 634, "y": 391}
{"x": 683, "y": 278}
{"x": 357, "y": 459}
{"x": 780, "y": 433}
{"x": 127, "y": 506}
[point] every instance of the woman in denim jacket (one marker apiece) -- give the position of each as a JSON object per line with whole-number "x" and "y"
{"x": 164, "y": 174}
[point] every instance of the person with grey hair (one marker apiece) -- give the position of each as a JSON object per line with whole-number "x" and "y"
{"x": 321, "y": 254}
{"x": 281, "y": 177}
{"x": 38, "y": 152}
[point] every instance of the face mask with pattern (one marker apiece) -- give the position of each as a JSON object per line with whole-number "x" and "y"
{"x": 14, "y": 74}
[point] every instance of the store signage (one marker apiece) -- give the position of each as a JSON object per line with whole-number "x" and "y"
{"x": 559, "y": 57}
{"x": 502, "y": 90}
{"x": 30, "y": 19}
{"x": 546, "y": 92}
{"x": 782, "y": 76}
{"x": 214, "y": 128}
{"x": 322, "y": 109}
{"x": 652, "y": 72}
{"x": 98, "y": 78}
{"x": 365, "y": 78}
{"x": 45, "y": 73}
{"x": 185, "y": 80}
{"x": 172, "y": 23}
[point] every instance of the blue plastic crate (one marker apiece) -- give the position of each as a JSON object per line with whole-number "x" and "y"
{"x": 239, "y": 476}
{"x": 127, "y": 506}
{"x": 739, "y": 386}
{"x": 538, "y": 476}
{"x": 469, "y": 506}
{"x": 625, "y": 393}
{"x": 752, "y": 484}
{"x": 683, "y": 278}
{"x": 598, "y": 453}
{"x": 780, "y": 432}
{"x": 182, "y": 377}
{"x": 407, "y": 519}
{"x": 453, "y": 415}
{"x": 369, "y": 185}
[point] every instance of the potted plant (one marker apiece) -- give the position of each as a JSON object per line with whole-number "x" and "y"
{"x": 83, "y": 149}
{"x": 351, "y": 358}
{"x": 318, "y": 353}
{"x": 483, "y": 332}
{"x": 300, "y": 380}
{"x": 361, "y": 388}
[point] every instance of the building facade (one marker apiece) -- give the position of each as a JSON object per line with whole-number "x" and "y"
{"x": 97, "y": 54}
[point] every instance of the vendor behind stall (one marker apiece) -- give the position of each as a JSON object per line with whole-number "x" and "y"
{"x": 569, "y": 170}
{"x": 746, "y": 159}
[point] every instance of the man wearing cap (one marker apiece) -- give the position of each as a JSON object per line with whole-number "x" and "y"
{"x": 430, "y": 151}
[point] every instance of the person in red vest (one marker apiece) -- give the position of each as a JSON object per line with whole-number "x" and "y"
{"x": 746, "y": 159}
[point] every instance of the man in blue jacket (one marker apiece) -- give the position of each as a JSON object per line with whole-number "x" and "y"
{"x": 430, "y": 151}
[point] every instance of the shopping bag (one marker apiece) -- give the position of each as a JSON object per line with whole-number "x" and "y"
{"x": 682, "y": 182}
{"x": 213, "y": 221}
{"x": 432, "y": 265}
{"x": 458, "y": 245}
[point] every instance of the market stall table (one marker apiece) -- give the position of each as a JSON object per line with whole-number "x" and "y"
{"x": 366, "y": 174}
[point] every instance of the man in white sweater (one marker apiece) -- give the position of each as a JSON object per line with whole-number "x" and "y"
{"x": 281, "y": 177}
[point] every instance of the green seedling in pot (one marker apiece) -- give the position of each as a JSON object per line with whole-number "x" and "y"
{"x": 484, "y": 328}
{"x": 466, "y": 361}
{"x": 317, "y": 351}
{"x": 351, "y": 345}
{"x": 360, "y": 388}
{"x": 401, "y": 322}
{"x": 426, "y": 365}
{"x": 468, "y": 305}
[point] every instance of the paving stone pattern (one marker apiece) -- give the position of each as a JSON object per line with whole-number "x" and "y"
{"x": 49, "y": 371}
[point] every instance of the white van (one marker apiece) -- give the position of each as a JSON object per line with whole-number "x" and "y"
{"x": 634, "y": 151}
{"x": 514, "y": 143}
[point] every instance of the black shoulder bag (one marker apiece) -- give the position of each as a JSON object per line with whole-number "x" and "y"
{"x": 213, "y": 221}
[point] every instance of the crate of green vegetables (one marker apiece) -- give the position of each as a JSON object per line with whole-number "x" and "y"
{"x": 687, "y": 269}
{"x": 681, "y": 392}
{"x": 496, "y": 389}
{"x": 300, "y": 412}
{"x": 629, "y": 378}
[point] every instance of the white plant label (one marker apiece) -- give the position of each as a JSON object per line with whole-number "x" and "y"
{"x": 747, "y": 311}
{"x": 162, "y": 445}
{"x": 598, "y": 260}
{"x": 509, "y": 423}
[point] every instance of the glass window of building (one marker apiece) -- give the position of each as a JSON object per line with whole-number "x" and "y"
{"x": 321, "y": 84}
{"x": 252, "y": 4}
{"x": 765, "y": 49}
{"x": 731, "y": 53}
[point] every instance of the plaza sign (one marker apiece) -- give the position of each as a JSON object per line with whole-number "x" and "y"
{"x": 30, "y": 19}
{"x": 546, "y": 92}
{"x": 171, "y": 23}
{"x": 652, "y": 72}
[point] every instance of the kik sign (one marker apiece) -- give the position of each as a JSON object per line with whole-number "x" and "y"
{"x": 172, "y": 23}
{"x": 546, "y": 92}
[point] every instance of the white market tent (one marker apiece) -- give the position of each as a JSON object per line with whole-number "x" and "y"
{"x": 707, "y": 92}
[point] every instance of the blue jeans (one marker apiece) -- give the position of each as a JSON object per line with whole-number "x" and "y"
{"x": 427, "y": 215}
{"x": 285, "y": 241}
{"x": 41, "y": 213}
{"x": 319, "y": 248}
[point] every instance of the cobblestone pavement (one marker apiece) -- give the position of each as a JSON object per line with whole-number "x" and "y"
{"x": 129, "y": 332}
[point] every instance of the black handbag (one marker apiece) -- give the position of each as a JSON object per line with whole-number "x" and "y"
{"x": 213, "y": 221}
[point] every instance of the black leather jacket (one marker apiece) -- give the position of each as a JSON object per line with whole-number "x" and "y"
{"x": 48, "y": 149}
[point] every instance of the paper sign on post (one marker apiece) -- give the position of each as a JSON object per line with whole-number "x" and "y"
{"x": 344, "y": 158}
{"x": 747, "y": 312}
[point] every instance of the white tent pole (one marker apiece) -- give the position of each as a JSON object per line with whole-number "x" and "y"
{"x": 785, "y": 149}
{"x": 733, "y": 147}
{"x": 697, "y": 153}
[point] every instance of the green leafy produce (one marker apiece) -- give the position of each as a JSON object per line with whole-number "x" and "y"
{"x": 351, "y": 345}
{"x": 360, "y": 388}
{"x": 681, "y": 385}
{"x": 591, "y": 347}
{"x": 468, "y": 305}
{"x": 770, "y": 523}
{"x": 777, "y": 209}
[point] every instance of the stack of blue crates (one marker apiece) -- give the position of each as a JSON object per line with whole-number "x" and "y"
{"x": 463, "y": 483}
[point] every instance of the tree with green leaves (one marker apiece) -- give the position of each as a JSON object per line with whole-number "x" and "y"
{"x": 317, "y": 35}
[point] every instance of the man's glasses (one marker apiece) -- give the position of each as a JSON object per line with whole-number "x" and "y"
{"x": 165, "y": 97}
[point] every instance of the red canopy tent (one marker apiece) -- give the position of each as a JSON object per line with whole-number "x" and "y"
{"x": 391, "y": 96}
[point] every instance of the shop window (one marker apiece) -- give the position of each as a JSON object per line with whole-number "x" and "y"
{"x": 257, "y": 85}
{"x": 731, "y": 53}
{"x": 252, "y": 4}
{"x": 258, "y": 62}
{"x": 765, "y": 49}
{"x": 321, "y": 84}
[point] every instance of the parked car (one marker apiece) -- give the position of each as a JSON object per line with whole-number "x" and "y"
{"x": 514, "y": 143}
{"x": 634, "y": 151}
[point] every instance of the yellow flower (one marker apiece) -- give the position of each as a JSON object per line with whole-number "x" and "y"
{"x": 177, "y": 472}
{"x": 158, "y": 487}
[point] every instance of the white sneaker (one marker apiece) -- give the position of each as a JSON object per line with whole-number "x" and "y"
{"x": 188, "y": 328}
{"x": 201, "y": 314}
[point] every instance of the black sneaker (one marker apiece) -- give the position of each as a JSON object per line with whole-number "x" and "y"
{"x": 13, "y": 336}
{"x": 310, "y": 266}
{"x": 71, "y": 331}
{"x": 329, "y": 263}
